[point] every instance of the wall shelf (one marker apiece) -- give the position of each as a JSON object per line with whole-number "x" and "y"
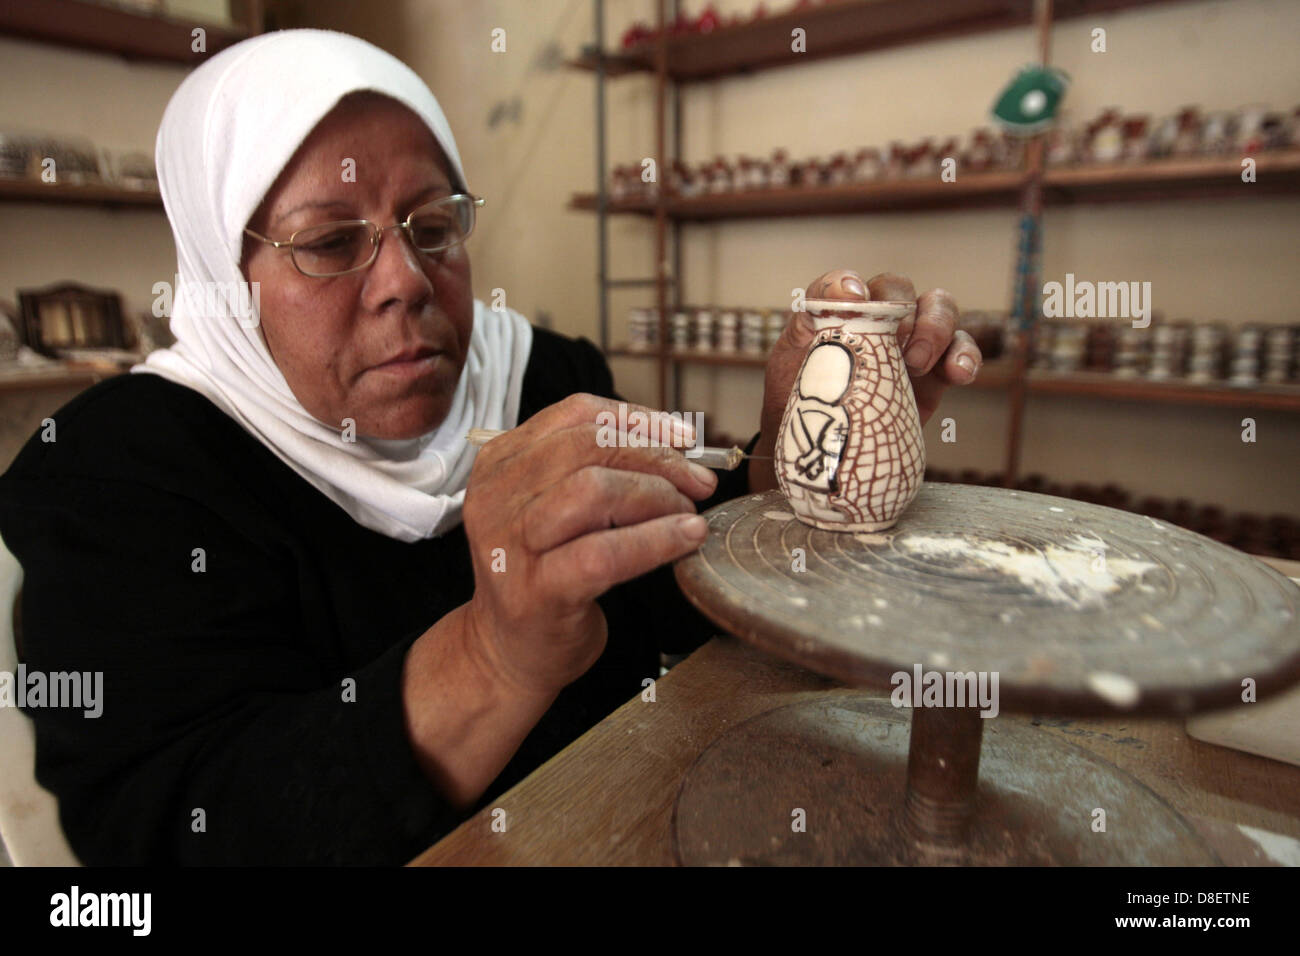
{"x": 1278, "y": 172}
{"x": 998, "y": 374}
{"x": 833, "y": 29}
{"x": 105, "y": 29}
{"x": 1102, "y": 385}
{"x": 23, "y": 190}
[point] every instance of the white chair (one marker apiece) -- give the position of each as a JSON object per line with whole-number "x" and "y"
{"x": 29, "y": 814}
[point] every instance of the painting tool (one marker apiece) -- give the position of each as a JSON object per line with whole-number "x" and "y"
{"x": 725, "y": 459}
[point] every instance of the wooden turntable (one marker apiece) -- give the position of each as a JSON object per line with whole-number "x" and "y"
{"x": 1058, "y": 606}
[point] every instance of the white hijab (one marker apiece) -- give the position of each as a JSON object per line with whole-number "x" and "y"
{"x": 228, "y": 131}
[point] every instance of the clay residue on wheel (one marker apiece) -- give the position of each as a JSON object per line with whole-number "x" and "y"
{"x": 1077, "y": 573}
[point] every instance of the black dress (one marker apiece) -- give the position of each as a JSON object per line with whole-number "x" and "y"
{"x": 223, "y": 690}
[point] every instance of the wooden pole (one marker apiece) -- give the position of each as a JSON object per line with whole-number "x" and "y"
{"x": 1028, "y": 279}
{"x": 661, "y": 199}
{"x": 602, "y": 195}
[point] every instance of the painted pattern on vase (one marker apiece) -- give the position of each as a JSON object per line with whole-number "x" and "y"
{"x": 850, "y": 455}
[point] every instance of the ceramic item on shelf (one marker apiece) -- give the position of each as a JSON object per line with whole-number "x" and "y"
{"x": 721, "y": 179}
{"x": 979, "y": 154}
{"x": 638, "y": 330}
{"x": 1130, "y": 352}
{"x": 1043, "y": 341}
{"x": 1277, "y": 354}
{"x": 1010, "y": 151}
{"x": 1249, "y": 132}
{"x": 1273, "y": 132}
{"x": 1244, "y": 368}
{"x": 1099, "y": 348}
{"x": 1206, "y": 361}
{"x": 1068, "y": 348}
{"x": 748, "y": 174}
{"x": 779, "y": 173}
{"x": 1187, "y": 142}
{"x": 1219, "y": 134}
{"x": 867, "y": 166}
{"x": 1060, "y": 145}
{"x": 751, "y": 332}
{"x": 849, "y": 455}
{"x": 681, "y": 331}
{"x": 1107, "y": 142}
{"x": 1168, "y": 351}
{"x": 920, "y": 162}
{"x": 1163, "y": 136}
{"x": 1135, "y": 138}
{"x": 704, "y": 330}
{"x": 897, "y": 161}
{"x": 775, "y": 322}
{"x": 839, "y": 172}
{"x": 811, "y": 173}
{"x": 618, "y": 183}
{"x": 727, "y": 332}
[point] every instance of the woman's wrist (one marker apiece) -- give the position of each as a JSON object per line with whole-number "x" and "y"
{"x": 464, "y": 719}
{"x": 483, "y": 651}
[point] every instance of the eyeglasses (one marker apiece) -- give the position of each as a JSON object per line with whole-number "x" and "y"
{"x": 337, "y": 248}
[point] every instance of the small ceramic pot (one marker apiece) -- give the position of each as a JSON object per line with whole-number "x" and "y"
{"x": 850, "y": 456}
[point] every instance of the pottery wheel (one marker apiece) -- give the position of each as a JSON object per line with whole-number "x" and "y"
{"x": 1075, "y": 608}
{"x": 1080, "y": 609}
{"x": 841, "y": 758}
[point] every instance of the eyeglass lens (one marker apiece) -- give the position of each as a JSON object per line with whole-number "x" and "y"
{"x": 336, "y": 247}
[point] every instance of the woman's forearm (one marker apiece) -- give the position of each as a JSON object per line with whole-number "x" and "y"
{"x": 463, "y": 719}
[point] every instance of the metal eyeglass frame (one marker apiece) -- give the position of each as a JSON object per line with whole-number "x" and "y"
{"x": 376, "y": 233}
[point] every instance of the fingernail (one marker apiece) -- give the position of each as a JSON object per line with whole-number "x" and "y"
{"x": 918, "y": 354}
{"x": 701, "y": 474}
{"x": 693, "y": 526}
{"x": 853, "y": 285}
{"x": 968, "y": 363}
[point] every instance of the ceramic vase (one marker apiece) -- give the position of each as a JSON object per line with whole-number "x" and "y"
{"x": 850, "y": 456}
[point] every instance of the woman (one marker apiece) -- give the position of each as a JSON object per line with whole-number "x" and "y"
{"x": 328, "y": 628}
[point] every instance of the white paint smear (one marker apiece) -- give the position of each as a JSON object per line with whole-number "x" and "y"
{"x": 1077, "y": 574}
{"x": 778, "y": 516}
{"x": 1116, "y": 688}
{"x": 1282, "y": 849}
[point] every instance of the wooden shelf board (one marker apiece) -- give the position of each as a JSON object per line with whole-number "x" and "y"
{"x": 836, "y": 29}
{"x": 1278, "y": 171}
{"x": 616, "y": 64}
{"x": 1107, "y": 386}
{"x": 977, "y": 189}
{"x": 998, "y": 375}
{"x": 91, "y": 26}
{"x": 24, "y": 190}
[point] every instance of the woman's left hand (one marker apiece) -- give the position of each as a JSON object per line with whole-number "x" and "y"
{"x": 936, "y": 352}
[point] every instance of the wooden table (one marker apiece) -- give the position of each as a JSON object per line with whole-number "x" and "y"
{"x": 607, "y": 799}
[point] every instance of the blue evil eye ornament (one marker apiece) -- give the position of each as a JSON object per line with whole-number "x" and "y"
{"x": 1030, "y": 101}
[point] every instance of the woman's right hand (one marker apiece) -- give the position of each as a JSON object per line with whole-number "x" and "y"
{"x": 571, "y": 520}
